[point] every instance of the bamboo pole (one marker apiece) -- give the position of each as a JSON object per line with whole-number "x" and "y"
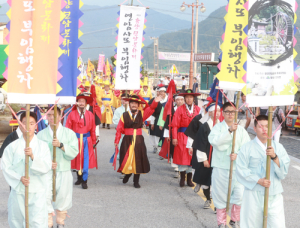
{"x": 27, "y": 166}
{"x": 232, "y": 152}
{"x": 269, "y": 143}
{"x": 54, "y": 156}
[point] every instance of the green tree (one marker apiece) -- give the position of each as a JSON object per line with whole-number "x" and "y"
{"x": 113, "y": 59}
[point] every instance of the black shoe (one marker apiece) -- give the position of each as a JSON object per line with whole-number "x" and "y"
{"x": 108, "y": 126}
{"x": 79, "y": 179}
{"x": 136, "y": 185}
{"x": 126, "y": 178}
{"x": 84, "y": 184}
{"x": 136, "y": 179}
{"x": 103, "y": 125}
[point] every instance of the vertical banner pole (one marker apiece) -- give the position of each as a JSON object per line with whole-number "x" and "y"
{"x": 27, "y": 166}
{"x": 232, "y": 152}
{"x": 54, "y": 155}
{"x": 268, "y": 166}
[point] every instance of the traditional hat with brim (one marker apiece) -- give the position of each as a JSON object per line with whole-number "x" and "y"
{"x": 161, "y": 87}
{"x": 88, "y": 99}
{"x": 106, "y": 83}
{"x": 87, "y": 84}
{"x": 134, "y": 98}
{"x": 189, "y": 92}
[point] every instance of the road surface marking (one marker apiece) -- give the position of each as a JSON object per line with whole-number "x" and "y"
{"x": 296, "y": 167}
{"x": 212, "y": 206}
{"x": 201, "y": 194}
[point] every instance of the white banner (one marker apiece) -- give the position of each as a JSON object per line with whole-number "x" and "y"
{"x": 270, "y": 62}
{"x": 130, "y": 35}
{"x": 186, "y": 57}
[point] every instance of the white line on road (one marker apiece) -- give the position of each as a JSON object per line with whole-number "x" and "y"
{"x": 296, "y": 167}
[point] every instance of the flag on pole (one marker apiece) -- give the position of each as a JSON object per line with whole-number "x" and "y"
{"x": 173, "y": 70}
{"x": 107, "y": 68}
{"x": 101, "y": 63}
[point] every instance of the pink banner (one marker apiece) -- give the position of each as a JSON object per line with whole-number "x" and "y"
{"x": 101, "y": 63}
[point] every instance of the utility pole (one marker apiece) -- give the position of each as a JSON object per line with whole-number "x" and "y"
{"x": 155, "y": 55}
{"x": 196, "y": 40}
{"x": 202, "y": 9}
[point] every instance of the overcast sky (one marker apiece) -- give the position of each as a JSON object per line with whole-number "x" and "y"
{"x": 170, "y": 7}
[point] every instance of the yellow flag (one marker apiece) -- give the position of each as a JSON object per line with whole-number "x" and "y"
{"x": 107, "y": 68}
{"x": 173, "y": 70}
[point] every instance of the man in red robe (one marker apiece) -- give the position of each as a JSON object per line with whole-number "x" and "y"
{"x": 82, "y": 122}
{"x": 133, "y": 151}
{"x": 181, "y": 120}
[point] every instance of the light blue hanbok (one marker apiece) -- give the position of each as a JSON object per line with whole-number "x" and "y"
{"x": 13, "y": 167}
{"x": 251, "y": 166}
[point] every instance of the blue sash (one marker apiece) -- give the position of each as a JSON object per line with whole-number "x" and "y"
{"x": 85, "y": 170}
{"x": 146, "y": 98}
{"x": 182, "y": 129}
{"x": 106, "y": 99}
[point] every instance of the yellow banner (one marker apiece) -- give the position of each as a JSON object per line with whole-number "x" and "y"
{"x": 234, "y": 51}
{"x": 33, "y": 54}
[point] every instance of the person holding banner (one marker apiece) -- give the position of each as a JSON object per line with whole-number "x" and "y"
{"x": 107, "y": 102}
{"x": 66, "y": 150}
{"x": 220, "y": 138}
{"x": 13, "y": 166}
{"x": 251, "y": 171}
{"x": 82, "y": 122}
{"x": 156, "y": 132}
{"x": 203, "y": 171}
{"x": 133, "y": 151}
{"x": 181, "y": 120}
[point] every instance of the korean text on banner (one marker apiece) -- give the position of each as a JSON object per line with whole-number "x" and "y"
{"x": 101, "y": 63}
{"x": 234, "y": 52}
{"x": 186, "y": 57}
{"x": 257, "y": 52}
{"x": 270, "y": 57}
{"x": 68, "y": 69}
{"x": 33, "y": 54}
{"x": 130, "y": 35}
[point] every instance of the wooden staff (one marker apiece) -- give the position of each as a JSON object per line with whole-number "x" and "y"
{"x": 54, "y": 156}
{"x": 232, "y": 152}
{"x": 27, "y": 166}
{"x": 268, "y": 166}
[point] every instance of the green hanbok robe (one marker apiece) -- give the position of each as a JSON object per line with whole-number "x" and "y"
{"x": 64, "y": 178}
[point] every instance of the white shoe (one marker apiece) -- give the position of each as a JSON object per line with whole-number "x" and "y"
{"x": 222, "y": 226}
{"x": 122, "y": 176}
{"x": 155, "y": 150}
{"x": 176, "y": 175}
{"x": 197, "y": 188}
{"x": 207, "y": 204}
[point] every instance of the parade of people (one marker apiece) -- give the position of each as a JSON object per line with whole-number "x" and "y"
{"x": 153, "y": 122}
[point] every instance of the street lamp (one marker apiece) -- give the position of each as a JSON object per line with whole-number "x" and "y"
{"x": 202, "y": 9}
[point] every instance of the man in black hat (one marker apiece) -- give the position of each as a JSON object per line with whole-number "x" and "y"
{"x": 133, "y": 151}
{"x": 82, "y": 122}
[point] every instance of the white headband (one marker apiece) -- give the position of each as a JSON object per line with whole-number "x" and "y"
{"x": 162, "y": 89}
{"x": 178, "y": 97}
{"x": 212, "y": 108}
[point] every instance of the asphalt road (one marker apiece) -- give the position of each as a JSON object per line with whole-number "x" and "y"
{"x": 160, "y": 202}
